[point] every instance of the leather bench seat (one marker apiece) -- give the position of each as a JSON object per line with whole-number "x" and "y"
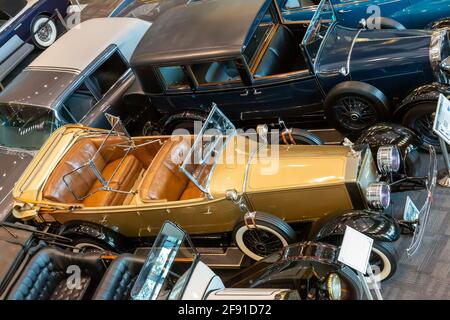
{"x": 46, "y": 278}
{"x": 164, "y": 180}
{"x": 73, "y": 179}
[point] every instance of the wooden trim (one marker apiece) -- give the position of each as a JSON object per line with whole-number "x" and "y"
{"x": 263, "y": 48}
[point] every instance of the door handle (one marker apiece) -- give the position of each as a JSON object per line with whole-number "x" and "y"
{"x": 244, "y": 93}
{"x": 344, "y": 11}
{"x": 256, "y": 92}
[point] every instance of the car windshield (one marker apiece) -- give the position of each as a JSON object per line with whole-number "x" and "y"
{"x": 168, "y": 267}
{"x": 321, "y": 22}
{"x": 207, "y": 148}
{"x": 26, "y": 127}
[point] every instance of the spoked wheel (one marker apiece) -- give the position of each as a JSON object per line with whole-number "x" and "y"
{"x": 267, "y": 235}
{"x": 355, "y": 113}
{"x": 420, "y": 118}
{"x": 45, "y": 31}
{"x": 384, "y": 259}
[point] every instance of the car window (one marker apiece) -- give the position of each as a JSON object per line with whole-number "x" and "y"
{"x": 296, "y": 4}
{"x": 216, "y": 72}
{"x": 261, "y": 33}
{"x": 109, "y": 72}
{"x": 174, "y": 77}
{"x": 79, "y": 103}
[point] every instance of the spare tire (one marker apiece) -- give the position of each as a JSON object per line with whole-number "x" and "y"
{"x": 259, "y": 235}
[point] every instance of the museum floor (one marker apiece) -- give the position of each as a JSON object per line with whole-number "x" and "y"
{"x": 423, "y": 276}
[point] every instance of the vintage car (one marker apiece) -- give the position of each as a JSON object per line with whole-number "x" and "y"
{"x": 261, "y": 68}
{"x": 412, "y": 14}
{"x": 26, "y": 24}
{"x": 104, "y": 188}
{"x": 37, "y": 268}
{"x": 66, "y": 84}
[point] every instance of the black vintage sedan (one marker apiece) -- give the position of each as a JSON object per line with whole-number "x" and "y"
{"x": 245, "y": 57}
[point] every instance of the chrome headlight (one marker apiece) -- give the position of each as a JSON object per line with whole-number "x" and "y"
{"x": 378, "y": 195}
{"x": 388, "y": 159}
{"x": 334, "y": 286}
{"x": 438, "y": 53}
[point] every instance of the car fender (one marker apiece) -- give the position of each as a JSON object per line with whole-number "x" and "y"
{"x": 424, "y": 93}
{"x": 95, "y": 231}
{"x": 380, "y": 227}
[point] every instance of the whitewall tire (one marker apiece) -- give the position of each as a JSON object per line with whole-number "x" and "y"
{"x": 45, "y": 32}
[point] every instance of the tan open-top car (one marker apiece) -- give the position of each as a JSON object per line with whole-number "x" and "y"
{"x": 102, "y": 185}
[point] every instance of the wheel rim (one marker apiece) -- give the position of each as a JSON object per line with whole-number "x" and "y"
{"x": 379, "y": 259}
{"x": 261, "y": 242}
{"x": 355, "y": 113}
{"x": 44, "y": 33}
{"x": 424, "y": 127}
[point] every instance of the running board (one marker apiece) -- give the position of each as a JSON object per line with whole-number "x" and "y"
{"x": 215, "y": 258}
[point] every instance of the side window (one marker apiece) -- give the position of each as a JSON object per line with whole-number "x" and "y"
{"x": 216, "y": 72}
{"x": 297, "y": 4}
{"x": 79, "y": 103}
{"x": 174, "y": 77}
{"x": 109, "y": 73}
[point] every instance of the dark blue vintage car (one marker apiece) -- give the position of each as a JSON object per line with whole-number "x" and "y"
{"x": 24, "y": 25}
{"x": 260, "y": 68}
{"x": 412, "y": 14}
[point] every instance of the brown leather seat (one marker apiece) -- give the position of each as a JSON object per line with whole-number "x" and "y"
{"x": 61, "y": 186}
{"x": 124, "y": 178}
{"x": 192, "y": 191}
{"x": 164, "y": 180}
{"x": 80, "y": 181}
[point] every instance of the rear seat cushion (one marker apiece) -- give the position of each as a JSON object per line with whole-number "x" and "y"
{"x": 163, "y": 179}
{"x": 123, "y": 180}
{"x": 80, "y": 181}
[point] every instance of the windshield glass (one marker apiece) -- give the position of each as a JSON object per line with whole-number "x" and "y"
{"x": 318, "y": 28}
{"x": 168, "y": 267}
{"x": 207, "y": 148}
{"x": 26, "y": 127}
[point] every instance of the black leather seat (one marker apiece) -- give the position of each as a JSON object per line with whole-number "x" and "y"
{"x": 119, "y": 279}
{"x": 46, "y": 276}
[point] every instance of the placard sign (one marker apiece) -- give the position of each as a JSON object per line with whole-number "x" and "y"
{"x": 411, "y": 212}
{"x": 355, "y": 250}
{"x": 442, "y": 119}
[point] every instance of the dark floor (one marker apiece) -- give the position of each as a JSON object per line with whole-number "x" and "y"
{"x": 424, "y": 276}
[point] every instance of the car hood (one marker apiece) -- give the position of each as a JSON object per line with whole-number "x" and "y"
{"x": 286, "y": 167}
{"x": 383, "y": 53}
{"x": 12, "y": 164}
{"x": 391, "y": 60}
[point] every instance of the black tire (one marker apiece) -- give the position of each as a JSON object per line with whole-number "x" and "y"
{"x": 388, "y": 23}
{"x": 354, "y": 282}
{"x": 47, "y": 35}
{"x": 90, "y": 244}
{"x": 420, "y": 118}
{"x": 354, "y": 106}
{"x": 385, "y": 256}
{"x": 301, "y": 137}
{"x": 269, "y": 230}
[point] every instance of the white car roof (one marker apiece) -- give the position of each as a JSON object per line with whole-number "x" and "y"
{"x": 80, "y": 46}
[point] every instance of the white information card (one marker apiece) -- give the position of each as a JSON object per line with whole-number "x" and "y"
{"x": 355, "y": 250}
{"x": 442, "y": 119}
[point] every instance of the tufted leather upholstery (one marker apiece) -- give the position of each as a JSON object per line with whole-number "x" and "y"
{"x": 83, "y": 181}
{"x": 119, "y": 279}
{"x": 45, "y": 276}
{"x": 164, "y": 180}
